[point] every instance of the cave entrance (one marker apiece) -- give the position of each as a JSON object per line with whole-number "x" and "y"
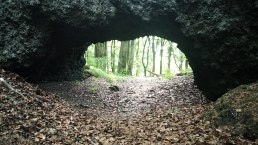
{"x": 148, "y": 56}
{"x": 128, "y": 78}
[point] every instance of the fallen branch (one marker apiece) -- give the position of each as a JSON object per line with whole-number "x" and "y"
{"x": 8, "y": 86}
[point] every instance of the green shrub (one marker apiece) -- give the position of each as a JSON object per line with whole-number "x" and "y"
{"x": 186, "y": 72}
{"x": 97, "y": 62}
{"x": 169, "y": 74}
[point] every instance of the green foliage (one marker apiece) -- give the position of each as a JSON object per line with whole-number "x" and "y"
{"x": 99, "y": 73}
{"x": 168, "y": 74}
{"x": 186, "y": 72}
{"x": 101, "y": 62}
{"x": 112, "y": 60}
{"x": 91, "y": 61}
{"x": 97, "y": 62}
{"x": 123, "y": 73}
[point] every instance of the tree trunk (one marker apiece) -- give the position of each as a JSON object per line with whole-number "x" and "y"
{"x": 162, "y": 44}
{"x": 161, "y": 61}
{"x": 186, "y": 64}
{"x": 148, "y": 54}
{"x": 122, "y": 62}
{"x": 113, "y": 54}
{"x": 170, "y": 51}
{"x": 181, "y": 61}
{"x": 101, "y": 55}
{"x": 145, "y": 65}
{"x": 138, "y": 58}
{"x": 131, "y": 57}
{"x": 175, "y": 57}
{"x": 153, "y": 55}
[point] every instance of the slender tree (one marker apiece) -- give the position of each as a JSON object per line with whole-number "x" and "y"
{"x": 162, "y": 44}
{"x": 153, "y": 55}
{"x": 101, "y": 55}
{"x": 138, "y": 58}
{"x": 161, "y": 61}
{"x": 145, "y": 65}
{"x": 170, "y": 51}
{"x": 113, "y": 55}
{"x": 179, "y": 58}
{"x": 181, "y": 61}
{"x": 186, "y": 64}
{"x": 174, "y": 55}
{"x": 131, "y": 57}
{"x": 122, "y": 62}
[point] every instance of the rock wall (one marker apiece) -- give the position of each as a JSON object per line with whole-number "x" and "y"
{"x": 46, "y": 40}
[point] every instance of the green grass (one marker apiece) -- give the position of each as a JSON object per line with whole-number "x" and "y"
{"x": 98, "y": 73}
{"x": 186, "y": 72}
{"x": 168, "y": 74}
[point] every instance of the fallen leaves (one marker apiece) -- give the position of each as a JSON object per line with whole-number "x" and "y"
{"x": 46, "y": 119}
{"x": 39, "y": 137}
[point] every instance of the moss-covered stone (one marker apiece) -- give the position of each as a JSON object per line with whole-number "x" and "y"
{"x": 238, "y": 109}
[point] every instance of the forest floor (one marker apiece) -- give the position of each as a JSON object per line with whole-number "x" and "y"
{"x": 129, "y": 97}
{"x": 95, "y": 112}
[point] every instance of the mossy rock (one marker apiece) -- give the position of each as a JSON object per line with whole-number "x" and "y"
{"x": 238, "y": 109}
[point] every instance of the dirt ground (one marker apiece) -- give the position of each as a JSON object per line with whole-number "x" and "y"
{"x": 129, "y": 97}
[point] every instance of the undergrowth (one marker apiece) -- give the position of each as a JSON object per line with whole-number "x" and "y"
{"x": 168, "y": 74}
{"x": 99, "y": 73}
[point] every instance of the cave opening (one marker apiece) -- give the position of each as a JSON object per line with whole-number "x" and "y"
{"x": 50, "y": 43}
{"x": 148, "y": 56}
{"x": 45, "y": 41}
{"x": 131, "y": 76}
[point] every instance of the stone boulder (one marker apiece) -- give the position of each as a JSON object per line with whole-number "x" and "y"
{"x": 238, "y": 109}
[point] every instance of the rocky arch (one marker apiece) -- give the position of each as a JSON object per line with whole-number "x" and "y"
{"x": 45, "y": 40}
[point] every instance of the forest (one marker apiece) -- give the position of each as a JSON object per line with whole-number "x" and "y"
{"x": 148, "y": 56}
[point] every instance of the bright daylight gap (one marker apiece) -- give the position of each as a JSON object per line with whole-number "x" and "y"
{"x": 148, "y": 56}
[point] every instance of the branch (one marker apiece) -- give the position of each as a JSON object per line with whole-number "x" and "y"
{"x": 8, "y": 86}
{"x": 174, "y": 56}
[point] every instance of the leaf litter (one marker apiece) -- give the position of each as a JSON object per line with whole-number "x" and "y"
{"x": 41, "y": 117}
